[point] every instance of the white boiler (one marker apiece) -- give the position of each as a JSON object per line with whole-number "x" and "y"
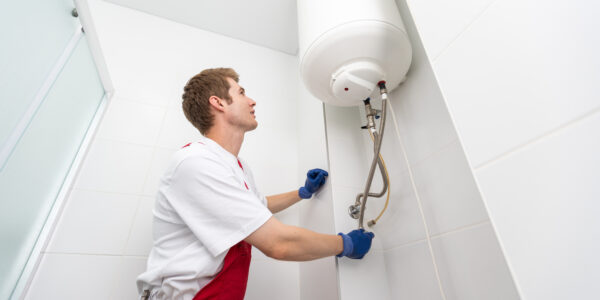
{"x": 348, "y": 46}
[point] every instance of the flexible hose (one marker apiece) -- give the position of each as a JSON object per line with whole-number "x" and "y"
{"x": 377, "y": 145}
{"x": 387, "y": 200}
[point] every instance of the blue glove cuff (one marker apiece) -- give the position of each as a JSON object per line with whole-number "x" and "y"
{"x": 348, "y": 245}
{"x": 304, "y": 193}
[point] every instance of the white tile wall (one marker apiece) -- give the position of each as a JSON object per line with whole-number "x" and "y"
{"x": 419, "y": 108}
{"x": 289, "y": 216}
{"x": 272, "y": 279}
{"x": 343, "y": 122}
{"x": 128, "y": 270}
{"x": 472, "y": 266}
{"x": 411, "y": 274}
{"x": 318, "y": 210}
{"x": 401, "y": 223}
{"x": 438, "y": 175}
{"x": 543, "y": 202}
{"x": 273, "y": 158}
{"x": 115, "y": 167}
{"x": 448, "y": 191}
{"x": 72, "y": 276}
{"x": 365, "y": 278}
{"x": 160, "y": 161}
{"x": 140, "y": 236}
{"x": 176, "y": 130}
{"x": 132, "y": 122}
{"x": 94, "y": 223}
{"x": 318, "y": 279}
{"x": 524, "y": 68}
{"x": 439, "y": 22}
{"x": 521, "y": 83}
{"x": 348, "y": 161}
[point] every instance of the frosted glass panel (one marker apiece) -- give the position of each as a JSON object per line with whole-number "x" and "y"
{"x": 36, "y": 170}
{"x": 33, "y": 35}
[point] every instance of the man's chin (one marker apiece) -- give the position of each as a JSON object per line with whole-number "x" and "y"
{"x": 252, "y": 127}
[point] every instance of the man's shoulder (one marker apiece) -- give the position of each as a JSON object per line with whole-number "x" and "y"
{"x": 198, "y": 156}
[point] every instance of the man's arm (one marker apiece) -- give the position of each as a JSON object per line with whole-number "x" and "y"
{"x": 285, "y": 242}
{"x": 277, "y": 203}
{"x": 315, "y": 179}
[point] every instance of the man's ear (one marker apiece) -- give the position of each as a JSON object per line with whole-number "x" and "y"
{"x": 216, "y": 103}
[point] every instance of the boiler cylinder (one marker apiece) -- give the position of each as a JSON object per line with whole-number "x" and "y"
{"x": 347, "y": 46}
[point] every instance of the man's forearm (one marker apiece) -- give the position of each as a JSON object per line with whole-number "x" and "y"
{"x": 301, "y": 245}
{"x": 285, "y": 242}
{"x": 277, "y": 203}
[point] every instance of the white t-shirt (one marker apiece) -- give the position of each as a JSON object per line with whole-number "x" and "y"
{"x": 206, "y": 203}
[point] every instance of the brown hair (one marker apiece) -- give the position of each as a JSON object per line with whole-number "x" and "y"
{"x": 197, "y": 91}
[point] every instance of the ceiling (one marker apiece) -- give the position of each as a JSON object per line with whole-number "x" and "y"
{"x": 268, "y": 23}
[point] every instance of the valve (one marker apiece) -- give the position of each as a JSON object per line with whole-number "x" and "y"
{"x": 354, "y": 211}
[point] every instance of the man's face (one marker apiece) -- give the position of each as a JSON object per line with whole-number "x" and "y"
{"x": 241, "y": 110}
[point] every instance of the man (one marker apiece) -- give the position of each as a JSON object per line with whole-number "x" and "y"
{"x": 208, "y": 213}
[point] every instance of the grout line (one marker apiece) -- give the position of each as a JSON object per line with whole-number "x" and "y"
{"x": 467, "y": 27}
{"x": 436, "y": 152}
{"x": 138, "y": 144}
{"x": 167, "y": 148}
{"x": 135, "y": 256}
{"x": 536, "y": 140}
{"x": 428, "y": 156}
{"x": 138, "y": 101}
{"x": 94, "y": 254}
{"x": 135, "y": 214}
{"x": 125, "y": 142}
{"x": 154, "y": 154}
{"x": 110, "y": 192}
{"x": 414, "y": 187}
{"x": 412, "y": 243}
{"x": 161, "y": 127}
{"x": 460, "y": 229}
{"x": 435, "y": 236}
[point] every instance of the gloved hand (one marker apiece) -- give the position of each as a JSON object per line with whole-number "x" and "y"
{"x": 315, "y": 179}
{"x": 356, "y": 243}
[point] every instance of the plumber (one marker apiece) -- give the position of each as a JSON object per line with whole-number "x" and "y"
{"x": 208, "y": 212}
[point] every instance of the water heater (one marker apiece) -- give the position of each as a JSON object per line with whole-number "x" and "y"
{"x": 348, "y": 46}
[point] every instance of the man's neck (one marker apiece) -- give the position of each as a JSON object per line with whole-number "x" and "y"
{"x": 230, "y": 140}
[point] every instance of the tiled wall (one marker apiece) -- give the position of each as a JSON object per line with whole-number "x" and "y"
{"x": 103, "y": 237}
{"x": 435, "y": 240}
{"x": 318, "y": 278}
{"x": 521, "y": 81}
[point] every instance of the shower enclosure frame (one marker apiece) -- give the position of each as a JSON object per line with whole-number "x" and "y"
{"x": 82, "y": 11}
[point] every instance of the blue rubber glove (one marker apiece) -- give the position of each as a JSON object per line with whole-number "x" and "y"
{"x": 356, "y": 243}
{"x": 315, "y": 179}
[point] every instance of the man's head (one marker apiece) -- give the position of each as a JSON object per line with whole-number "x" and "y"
{"x": 216, "y": 91}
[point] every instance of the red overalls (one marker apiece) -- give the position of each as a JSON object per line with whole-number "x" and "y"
{"x": 230, "y": 282}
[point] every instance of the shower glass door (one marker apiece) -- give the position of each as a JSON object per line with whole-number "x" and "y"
{"x": 50, "y": 92}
